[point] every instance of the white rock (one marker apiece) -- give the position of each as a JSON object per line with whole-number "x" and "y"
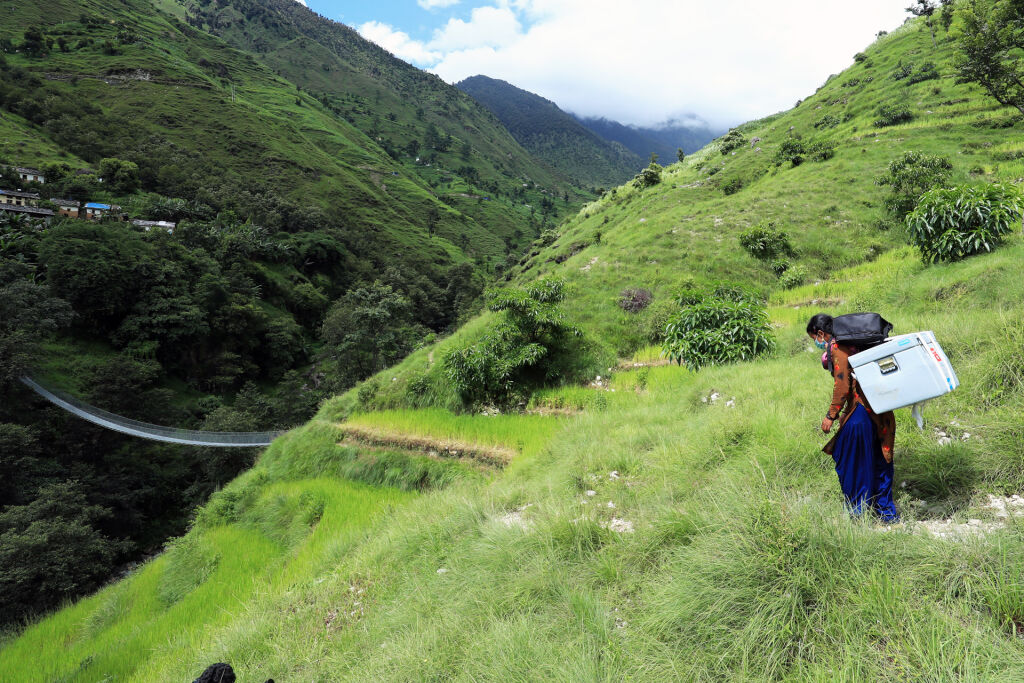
{"x": 442, "y": 570}
{"x": 611, "y": 505}
{"x": 591, "y": 493}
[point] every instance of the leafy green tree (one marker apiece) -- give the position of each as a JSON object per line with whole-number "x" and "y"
{"x": 649, "y": 177}
{"x": 368, "y": 329}
{"x": 121, "y": 176}
{"x": 530, "y": 345}
{"x": 950, "y": 224}
{"x": 34, "y": 43}
{"x": 715, "y": 327}
{"x": 51, "y": 549}
{"x": 28, "y": 314}
{"x": 910, "y": 176}
{"x": 765, "y": 242}
{"x": 989, "y": 44}
{"x": 680, "y": 154}
{"x": 925, "y": 8}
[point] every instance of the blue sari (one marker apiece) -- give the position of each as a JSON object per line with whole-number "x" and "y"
{"x": 864, "y": 475}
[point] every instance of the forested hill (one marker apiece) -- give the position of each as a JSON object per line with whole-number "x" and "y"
{"x": 665, "y": 140}
{"x": 554, "y": 135}
{"x": 307, "y": 211}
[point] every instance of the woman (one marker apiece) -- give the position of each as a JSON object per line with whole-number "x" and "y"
{"x": 862, "y": 448}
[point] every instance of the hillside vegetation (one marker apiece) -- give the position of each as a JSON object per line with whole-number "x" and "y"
{"x": 553, "y": 135}
{"x": 652, "y": 523}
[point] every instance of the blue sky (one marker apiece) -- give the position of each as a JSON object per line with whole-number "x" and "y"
{"x": 635, "y": 61}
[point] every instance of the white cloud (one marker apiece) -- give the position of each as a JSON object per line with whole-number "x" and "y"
{"x": 398, "y": 43}
{"x": 302, "y": 2}
{"x": 494, "y": 26}
{"x": 431, "y": 4}
{"x": 648, "y": 60}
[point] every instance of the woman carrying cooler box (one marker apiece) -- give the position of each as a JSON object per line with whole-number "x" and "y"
{"x": 863, "y": 447}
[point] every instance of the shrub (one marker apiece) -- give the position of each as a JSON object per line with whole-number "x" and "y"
{"x": 827, "y": 121}
{"x": 954, "y": 223}
{"x": 732, "y": 186}
{"x": 648, "y": 177}
{"x": 794, "y": 277}
{"x": 765, "y": 242}
{"x": 910, "y": 176}
{"x": 926, "y": 72}
{"x": 717, "y": 330}
{"x": 634, "y": 300}
{"x": 902, "y": 71}
{"x": 892, "y": 114}
{"x": 732, "y": 140}
{"x": 779, "y": 266}
{"x": 530, "y": 346}
{"x": 791, "y": 150}
{"x": 823, "y": 150}
{"x": 860, "y": 57}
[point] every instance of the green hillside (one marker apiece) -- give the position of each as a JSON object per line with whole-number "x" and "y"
{"x": 552, "y": 135}
{"x": 655, "y": 522}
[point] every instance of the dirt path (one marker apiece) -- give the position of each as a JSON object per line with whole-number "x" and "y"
{"x": 494, "y": 456}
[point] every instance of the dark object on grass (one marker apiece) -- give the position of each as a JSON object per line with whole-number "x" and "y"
{"x": 217, "y": 673}
{"x": 634, "y": 300}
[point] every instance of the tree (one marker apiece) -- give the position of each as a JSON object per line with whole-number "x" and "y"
{"x": 680, "y": 154}
{"x": 989, "y": 45}
{"x": 368, "y": 329}
{"x": 34, "y": 44}
{"x": 910, "y": 176}
{"x": 120, "y": 176}
{"x": 925, "y": 8}
{"x": 51, "y": 550}
{"x": 27, "y": 315}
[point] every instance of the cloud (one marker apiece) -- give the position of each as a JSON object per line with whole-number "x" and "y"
{"x": 302, "y": 2}
{"x": 649, "y": 60}
{"x": 431, "y": 4}
{"x": 398, "y": 43}
{"x": 493, "y": 26}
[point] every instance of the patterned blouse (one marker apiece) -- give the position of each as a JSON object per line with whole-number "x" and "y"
{"x": 846, "y": 396}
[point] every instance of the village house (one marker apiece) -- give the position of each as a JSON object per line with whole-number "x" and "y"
{"x": 94, "y": 211}
{"x": 155, "y": 225}
{"x": 30, "y": 175}
{"x": 30, "y": 211}
{"x": 18, "y": 198}
{"x": 67, "y": 207}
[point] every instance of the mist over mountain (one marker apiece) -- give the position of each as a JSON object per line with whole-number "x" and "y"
{"x": 553, "y": 135}
{"x": 662, "y": 140}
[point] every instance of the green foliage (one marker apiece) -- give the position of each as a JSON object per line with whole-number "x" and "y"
{"x": 717, "y": 329}
{"x": 51, "y": 549}
{"x": 732, "y": 140}
{"x": 827, "y": 121}
{"x": 791, "y": 150}
{"x": 649, "y": 177}
{"x": 893, "y": 114}
{"x": 121, "y": 176}
{"x": 860, "y": 57}
{"x": 910, "y": 176}
{"x": 28, "y": 315}
{"x": 792, "y": 277}
{"x": 531, "y": 347}
{"x": 190, "y": 561}
{"x": 765, "y": 242}
{"x": 989, "y": 44}
{"x": 925, "y": 72}
{"x": 954, "y": 223}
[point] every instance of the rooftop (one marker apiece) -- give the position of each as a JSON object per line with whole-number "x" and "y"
{"x": 29, "y": 210}
{"x": 66, "y": 202}
{"x": 33, "y": 171}
{"x": 102, "y": 207}
{"x": 19, "y": 193}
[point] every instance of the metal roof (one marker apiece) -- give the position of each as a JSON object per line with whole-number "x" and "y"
{"x": 19, "y": 193}
{"x": 96, "y": 205}
{"x": 30, "y": 210}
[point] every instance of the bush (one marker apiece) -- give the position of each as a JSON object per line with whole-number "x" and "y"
{"x": 892, "y": 114}
{"x": 823, "y": 150}
{"x": 648, "y": 177}
{"x": 765, "y": 242}
{"x": 634, "y": 300}
{"x": 902, "y": 71}
{"x": 732, "y": 186}
{"x": 779, "y": 266}
{"x": 731, "y": 140}
{"x": 793, "y": 277}
{"x": 926, "y": 72}
{"x": 717, "y": 330}
{"x": 791, "y": 150}
{"x": 860, "y": 57}
{"x": 910, "y": 176}
{"x": 530, "y": 347}
{"x": 954, "y": 223}
{"x": 827, "y": 121}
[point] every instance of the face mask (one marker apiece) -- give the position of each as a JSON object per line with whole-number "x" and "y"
{"x": 820, "y": 344}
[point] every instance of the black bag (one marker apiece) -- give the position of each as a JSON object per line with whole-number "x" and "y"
{"x": 862, "y": 330}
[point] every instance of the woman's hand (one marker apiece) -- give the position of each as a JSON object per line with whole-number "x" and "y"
{"x": 826, "y": 425}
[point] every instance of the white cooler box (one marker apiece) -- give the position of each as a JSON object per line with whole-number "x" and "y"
{"x": 902, "y": 371}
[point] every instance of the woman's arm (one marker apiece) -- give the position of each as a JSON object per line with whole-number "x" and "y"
{"x": 842, "y": 390}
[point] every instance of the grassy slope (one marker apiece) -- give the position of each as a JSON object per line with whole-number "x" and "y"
{"x": 741, "y": 564}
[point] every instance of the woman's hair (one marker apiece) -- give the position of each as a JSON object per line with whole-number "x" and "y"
{"x": 820, "y": 322}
